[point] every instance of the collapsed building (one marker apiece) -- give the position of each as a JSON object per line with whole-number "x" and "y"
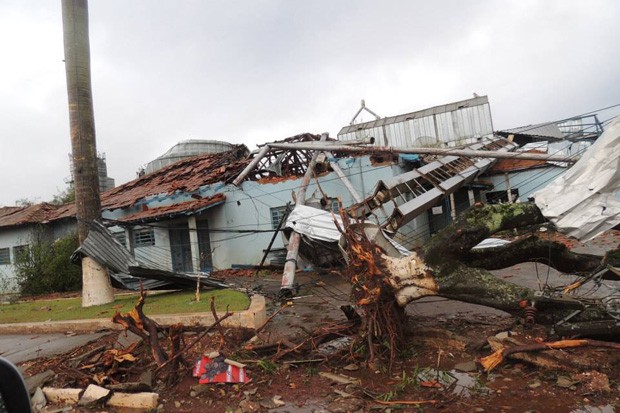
{"x": 222, "y": 210}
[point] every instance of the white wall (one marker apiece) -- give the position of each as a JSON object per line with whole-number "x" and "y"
{"x": 528, "y": 181}
{"x": 158, "y": 255}
{"x": 246, "y": 208}
{"x": 10, "y": 238}
{"x": 249, "y": 209}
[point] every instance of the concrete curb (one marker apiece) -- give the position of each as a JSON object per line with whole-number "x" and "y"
{"x": 253, "y": 317}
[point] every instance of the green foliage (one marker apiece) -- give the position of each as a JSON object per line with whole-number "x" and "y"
{"x": 64, "y": 197}
{"x": 406, "y": 381}
{"x": 156, "y": 303}
{"x": 25, "y": 202}
{"x": 268, "y": 366}
{"x": 387, "y": 396}
{"x": 44, "y": 266}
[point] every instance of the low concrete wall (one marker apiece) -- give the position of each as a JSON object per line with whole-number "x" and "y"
{"x": 254, "y": 317}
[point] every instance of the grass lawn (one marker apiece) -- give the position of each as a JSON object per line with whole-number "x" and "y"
{"x": 159, "y": 303}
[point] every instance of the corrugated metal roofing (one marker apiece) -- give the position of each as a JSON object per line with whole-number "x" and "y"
{"x": 101, "y": 246}
{"x": 541, "y": 130}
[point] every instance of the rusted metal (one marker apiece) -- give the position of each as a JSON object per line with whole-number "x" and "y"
{"x": 529, "y": 315}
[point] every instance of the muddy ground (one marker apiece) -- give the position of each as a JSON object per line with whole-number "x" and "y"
{"x": 438, "y": 369}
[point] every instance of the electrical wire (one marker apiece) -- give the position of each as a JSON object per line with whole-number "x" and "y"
{"x": 264, "y": 193}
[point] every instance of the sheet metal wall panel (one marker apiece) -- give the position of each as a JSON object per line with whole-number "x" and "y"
{"x": 459, "y": 126}
{"x": 445, "y": 127}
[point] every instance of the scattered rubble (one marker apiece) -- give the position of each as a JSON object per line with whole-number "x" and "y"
{"x": 327, "y": 361}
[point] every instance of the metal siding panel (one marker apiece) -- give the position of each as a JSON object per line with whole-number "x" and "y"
{"x": 425, "y": 131}
{"x": 377, "y": 133}
{"x": 396, "y": 137}
{"x": 487, "y": 119}
{"x": 395, "y": 134}
{"x": 454, "y": 126}
{"x": 402, "y": 132}
{"x": 344, "y": 137}
{"x": 445, "y": 127}
{"x": 409, "y": 134}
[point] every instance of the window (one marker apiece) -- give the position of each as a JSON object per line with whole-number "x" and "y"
{"x": 19, "y": 251}
{"x": 334, "y": 205}
{"x": 143, "y": 237}
{"x": 121, "y": 238}
{"x": 277, "y": 214}
{"x": 5, "y": 256}
{"x": 501, "y": 197}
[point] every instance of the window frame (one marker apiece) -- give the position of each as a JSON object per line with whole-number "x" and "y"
{"x": 121, "y": 237}
{"x": 276, "y": 214}
{"x": 5, "y": 259}
{"x": 18, "y": 249}
{"x": 334, "y": 205}
{"x": 143, "y": 237}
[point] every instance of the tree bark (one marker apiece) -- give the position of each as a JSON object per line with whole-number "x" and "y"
{"x": 454, "y": 271}
{"x": 533, "y": 249}
{"x": 96, "y": 286}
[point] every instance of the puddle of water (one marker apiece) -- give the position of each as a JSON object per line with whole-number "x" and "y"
{"x": 594, "y": 409}
{"x": 461, "y": 384}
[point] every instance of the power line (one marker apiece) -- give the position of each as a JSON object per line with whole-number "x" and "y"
{"x": 416, "y": 233}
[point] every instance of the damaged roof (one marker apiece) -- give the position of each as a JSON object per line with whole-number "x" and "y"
{"x": 512, "y": 165}
{"x": 281, "y": 163}
{"x": 187, "y": 175}
{"x": 170, "y": 211}
{"x": 33, "y": 214}
{"x": 435, "y": 110}
{"x": 548, "y": 130}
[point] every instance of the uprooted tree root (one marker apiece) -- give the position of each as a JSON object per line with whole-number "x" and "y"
{"x": 170, "y": 362}
{"x": 448, "y": 267}
{"x": 382, "y": 329}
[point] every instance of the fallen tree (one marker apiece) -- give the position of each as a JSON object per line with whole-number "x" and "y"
{"x": 448, "y": 267}
{"x": 169, "y": 362}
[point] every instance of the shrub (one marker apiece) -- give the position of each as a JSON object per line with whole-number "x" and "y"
{"x": 45, "y": 266}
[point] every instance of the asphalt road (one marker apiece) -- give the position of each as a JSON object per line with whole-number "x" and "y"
{"x": 20, "y": 348}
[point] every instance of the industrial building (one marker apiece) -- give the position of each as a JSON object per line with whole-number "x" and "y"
{"x": 184, "y": 214}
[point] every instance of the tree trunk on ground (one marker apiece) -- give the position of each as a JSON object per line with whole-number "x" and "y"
{"x": 96, "y": 286}
{"x": 447, "y": 267}
{"x": 461, "y": 274}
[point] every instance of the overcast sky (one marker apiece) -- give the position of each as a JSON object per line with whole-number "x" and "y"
{"x": 255, "y": 71}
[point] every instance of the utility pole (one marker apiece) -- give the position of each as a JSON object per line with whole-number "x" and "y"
{"x": 290, "y": 265}
{"x": 96, "y": 286}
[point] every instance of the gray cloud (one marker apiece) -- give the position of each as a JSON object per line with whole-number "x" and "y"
{"x": 251, "y": 71}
